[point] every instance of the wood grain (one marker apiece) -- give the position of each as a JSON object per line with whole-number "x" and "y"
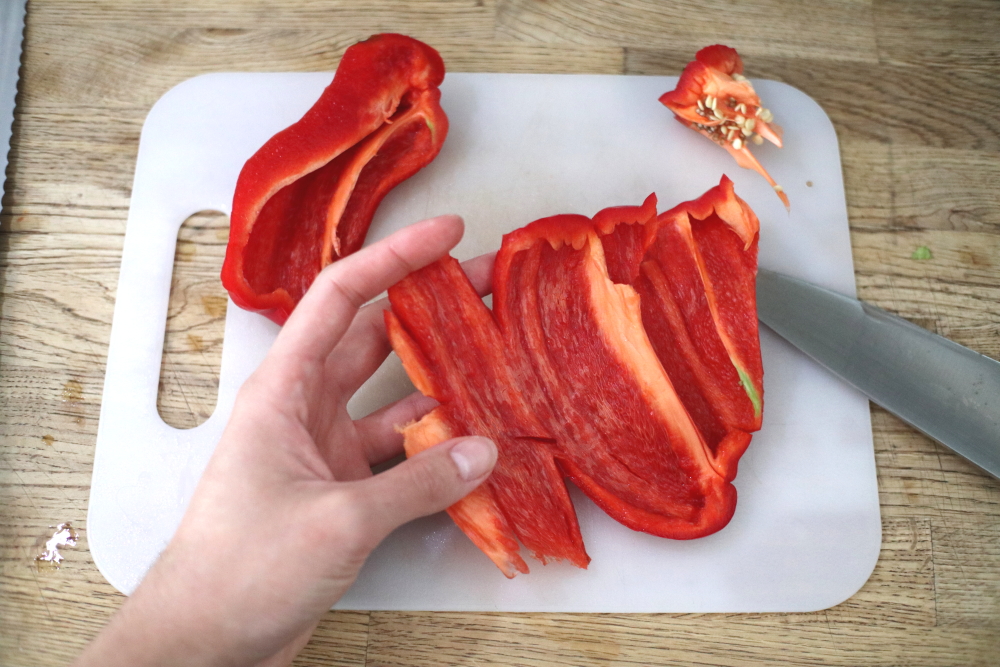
{"x": 911, "y": 89}
{"x": 958, "y": 34}
{"x": 196, "y": 318}
{"x": 832, "y": 30}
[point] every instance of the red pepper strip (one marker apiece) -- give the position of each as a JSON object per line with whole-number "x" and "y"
{"x": 699, "y": 309}
{"x": 714, "y": 98}
{"x": 307, "y": 197}
{"x": 452, "y": 349}
{"x": 625, "y": 238}
{"x": 706, "y": 337}
{"x": 478, "y": 515}
{"x": 725, "y": 234}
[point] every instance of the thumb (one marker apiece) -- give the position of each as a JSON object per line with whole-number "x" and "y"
{"x": 429, "y": 482}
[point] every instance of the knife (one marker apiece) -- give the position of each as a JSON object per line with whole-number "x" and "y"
{"x": 942, "y": 389}
{"x": 11, "y": 35}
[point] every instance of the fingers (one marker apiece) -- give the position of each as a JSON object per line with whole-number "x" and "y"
{"x": 378, "y": 430}
{"x": 365, "y": 345}
{"x": 480, "y": 272}
{"x": 327, "y": 309}
{"x": 429, "y": 482}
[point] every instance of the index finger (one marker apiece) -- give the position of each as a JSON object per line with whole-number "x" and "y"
{"x": 365, "y": 344}
{"x": 328, "y": 307}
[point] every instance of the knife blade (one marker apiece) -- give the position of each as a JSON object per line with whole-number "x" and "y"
{"x": 942, "y": 389}
{"x": 11, "y": 36}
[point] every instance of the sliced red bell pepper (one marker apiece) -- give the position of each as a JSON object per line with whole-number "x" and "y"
{"x": 621, "y": 432}
{"x": 452, "y": 349}
{"x": 307, "y": 197}
{"x": 715, "y": 99}
{"x": 622, "y": 352}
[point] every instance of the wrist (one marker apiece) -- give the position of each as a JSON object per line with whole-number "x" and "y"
{"x": 169, "y": 620}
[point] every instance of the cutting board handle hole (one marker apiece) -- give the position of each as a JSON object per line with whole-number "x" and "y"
{"x": 196, "y": 319}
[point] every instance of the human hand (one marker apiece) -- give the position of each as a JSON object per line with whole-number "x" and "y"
{"x": 288, "y": 510}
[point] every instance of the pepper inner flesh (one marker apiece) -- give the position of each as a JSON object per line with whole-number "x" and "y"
{"x": 325, "y": 214}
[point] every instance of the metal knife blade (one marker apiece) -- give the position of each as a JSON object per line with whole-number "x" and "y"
{"x": 11, "y": 35}
{"x": 942, "y": 389}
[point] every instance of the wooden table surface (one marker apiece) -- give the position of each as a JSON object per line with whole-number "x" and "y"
{"x": 912, "y": 88}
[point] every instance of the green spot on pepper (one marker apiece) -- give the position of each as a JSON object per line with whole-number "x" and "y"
{"x": 751, "y": 391}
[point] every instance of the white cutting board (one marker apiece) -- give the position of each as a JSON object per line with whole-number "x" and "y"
{"x": 807, "y": 531}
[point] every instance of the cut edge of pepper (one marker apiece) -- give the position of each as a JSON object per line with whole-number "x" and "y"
{"x": 720, "y": 201}
{"x": 622, "y": 316}
{"x": 371, "y": 145}
{"x": 660, "y": 525}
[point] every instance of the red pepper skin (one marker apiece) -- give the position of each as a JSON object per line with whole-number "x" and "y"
{"x": 715, "y": 77}
{"x": 307, "y": 197}
{"x": 452, "y": 349}
{"x": 622, "y": 348}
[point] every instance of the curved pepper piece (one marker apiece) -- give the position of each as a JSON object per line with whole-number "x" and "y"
{"x": 697, "y": 285}
{"x": 621, "y": 432}
{"x": 715, "y": 99}
{"x": 622, "y": 352}
{"x": 307, "y": 197}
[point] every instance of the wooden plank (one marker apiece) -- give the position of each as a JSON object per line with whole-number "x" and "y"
{"x": 133, "y": 67}
{"x": 816, "y": 28}
{"x": 360, "y": 18}
{"x": 521, "y": 57}
{"x": 574, "y": 641}
{"x": 60, "y": 246}
{"x": 968, "y": 585}
{"x": 910, "y": 188}
{"x": 939, "y": 188}
{"x": 340, "y": 640}
{"x": 957, "y": 282}
{"x": 71, "y": 173}
{"x": 957, "y": 34}
{"x": 962, "y": 505}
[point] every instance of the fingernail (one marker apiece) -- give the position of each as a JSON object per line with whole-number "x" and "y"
{"x": 474, "y": 457}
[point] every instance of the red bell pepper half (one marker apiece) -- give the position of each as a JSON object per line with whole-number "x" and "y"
{"x": 715, "y": 99}
{"x": 307, "y": 197}
{"x": 621, "y": 352}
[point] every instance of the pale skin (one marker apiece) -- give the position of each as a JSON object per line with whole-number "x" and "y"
{"x": 288, "y": 509}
